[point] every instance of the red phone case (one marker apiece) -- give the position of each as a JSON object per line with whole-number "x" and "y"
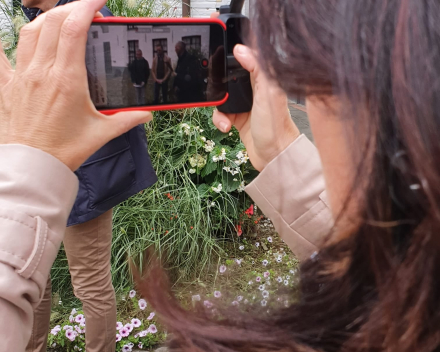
{"x": 149, "y": 20}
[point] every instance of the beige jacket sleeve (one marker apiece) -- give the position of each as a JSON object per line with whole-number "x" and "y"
{"x": 37, "y": 193}
{"x": 291, "y": 192}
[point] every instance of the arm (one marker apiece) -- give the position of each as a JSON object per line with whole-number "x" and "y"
{"x": 291, "y": 192}
{"x": 37, "y": 192}
{"x": 168, "y": 66}
{"x": 38, "y": 153}
{"x": 154, "y": 68}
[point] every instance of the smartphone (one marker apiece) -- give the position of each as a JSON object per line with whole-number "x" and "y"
{"x": 156, "y": 64}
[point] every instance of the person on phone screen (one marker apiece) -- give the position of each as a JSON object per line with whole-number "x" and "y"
{"x": 161, "y": 72}
{"x": 140, "y": 72}
{"x": 186, "y": 74}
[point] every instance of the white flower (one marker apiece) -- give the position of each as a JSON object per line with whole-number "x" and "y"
{"x": 129, "y": 327}
{"x": 132, "y": 294}
{"x": 239, "y": 298}
{"x": 227, "y": 168}
{"x": 261, "y": 287}
{"x": 203, "y": 139}
{"x": 192, "y": 171}
{"x": 235, "y": 180}
{"x": 250, "y": 282}
{"x": 71, "y": 318}
{"x": 257, "y": 244}
{"x": 241, "y": 247}
{"x": 214, "y": 158}
{"x": 197, "y": 161}
{"x": 217, "y": 189}
{"x": 196, "y": 298}
{"x": 286, "y": 282}
{"x": 279, "y": 259}
{"x": 201, "y": 130}
{"x": 279, "y": 279}
{"x": 265, "y": 294}
{"x": 235, "y": 303}
{"x": 185, "y": 128}
{"x": 265, "y": 262}
{"x": 209, "y": 146}
{"x": 263, "y": 303}
{"x": 222, "y": 269}
{"x": 230, "y": 134}
{"x": 73, "y": 312}
{"x": 241, "y": 188}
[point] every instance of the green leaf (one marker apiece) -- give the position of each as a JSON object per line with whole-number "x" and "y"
{"x": 203, "y": 189}
{"x": 209, "y": 168}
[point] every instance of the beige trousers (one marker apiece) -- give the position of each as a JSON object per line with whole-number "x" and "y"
{"x": 88, "y": 250}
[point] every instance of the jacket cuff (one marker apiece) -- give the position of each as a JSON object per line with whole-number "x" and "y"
{"x": 37, "y": 194}
{"x": 291, "y": 188}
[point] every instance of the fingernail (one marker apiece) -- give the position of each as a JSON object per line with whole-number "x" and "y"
{"x": 224, "y": 127}
{"x": 240, "y": 49}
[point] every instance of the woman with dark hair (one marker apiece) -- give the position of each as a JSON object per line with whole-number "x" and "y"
{"x": 370, "y": 71}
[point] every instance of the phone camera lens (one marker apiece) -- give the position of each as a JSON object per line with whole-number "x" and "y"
{"x": 231, "y": 25}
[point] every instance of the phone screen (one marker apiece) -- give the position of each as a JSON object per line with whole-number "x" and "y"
{"x": 143, "y": 64}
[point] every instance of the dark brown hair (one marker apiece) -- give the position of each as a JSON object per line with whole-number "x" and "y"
{"x": 383, "y": 59}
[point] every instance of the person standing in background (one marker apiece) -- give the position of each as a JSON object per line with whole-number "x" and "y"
{"x": 161, "y": 72}
{"x": 140, "y": 72}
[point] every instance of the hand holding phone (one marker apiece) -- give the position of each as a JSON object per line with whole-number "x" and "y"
{"x": 268, "y": 129}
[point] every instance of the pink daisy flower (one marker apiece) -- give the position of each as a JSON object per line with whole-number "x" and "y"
{"x": 266, "y": 274}
{"x": 269, "y": 239}
{"x": 217, "y": 294}
{"x": 258, "y": 279}
{"x": 126, "y": 348}
{"x": 136, "y": 322}
{"x": 129, "y": 327}
{"x": 151, "y": 316}
{"x": 71, "y": 335}
{"x": 124, "y": 332}
{"x": 142, "y": 304}
{"x": 207, "y": 304}
{"x": 265, "y": 262}
{"x": 79, "y": 318}
{"x": 132, "y": 294}
{"x": 222, "y": 269}
{"x": 235, "y": 303}
{"x": 152, "y": 328}
{"x": 118, "y": 337}
{"x": 119, "y": 325}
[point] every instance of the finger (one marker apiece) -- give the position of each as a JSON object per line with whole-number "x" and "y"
{"x": 5, "y": 67}
{"x": 222, "y": 121}
{"x": 124, "y": 121}
{"x": 215, "y": 14}
{"x": 46, "y": 50}
{"x": 27, "y": 43}
{"x": 245, "y": 57}
{"x": 99, "y": 15}
{"x": 73, "y": 36}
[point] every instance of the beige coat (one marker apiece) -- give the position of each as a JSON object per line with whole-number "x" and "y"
{"x": 37, "y": 193}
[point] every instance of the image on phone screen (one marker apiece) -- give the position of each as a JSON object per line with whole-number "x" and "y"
{"x": 131, "y": 65}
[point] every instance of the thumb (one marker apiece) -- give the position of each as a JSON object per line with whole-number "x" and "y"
{"x": 124, "y": 121}
{"x": 245, "y": 57}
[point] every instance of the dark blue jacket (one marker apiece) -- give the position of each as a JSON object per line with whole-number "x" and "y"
{"x": 114, "y": 173}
